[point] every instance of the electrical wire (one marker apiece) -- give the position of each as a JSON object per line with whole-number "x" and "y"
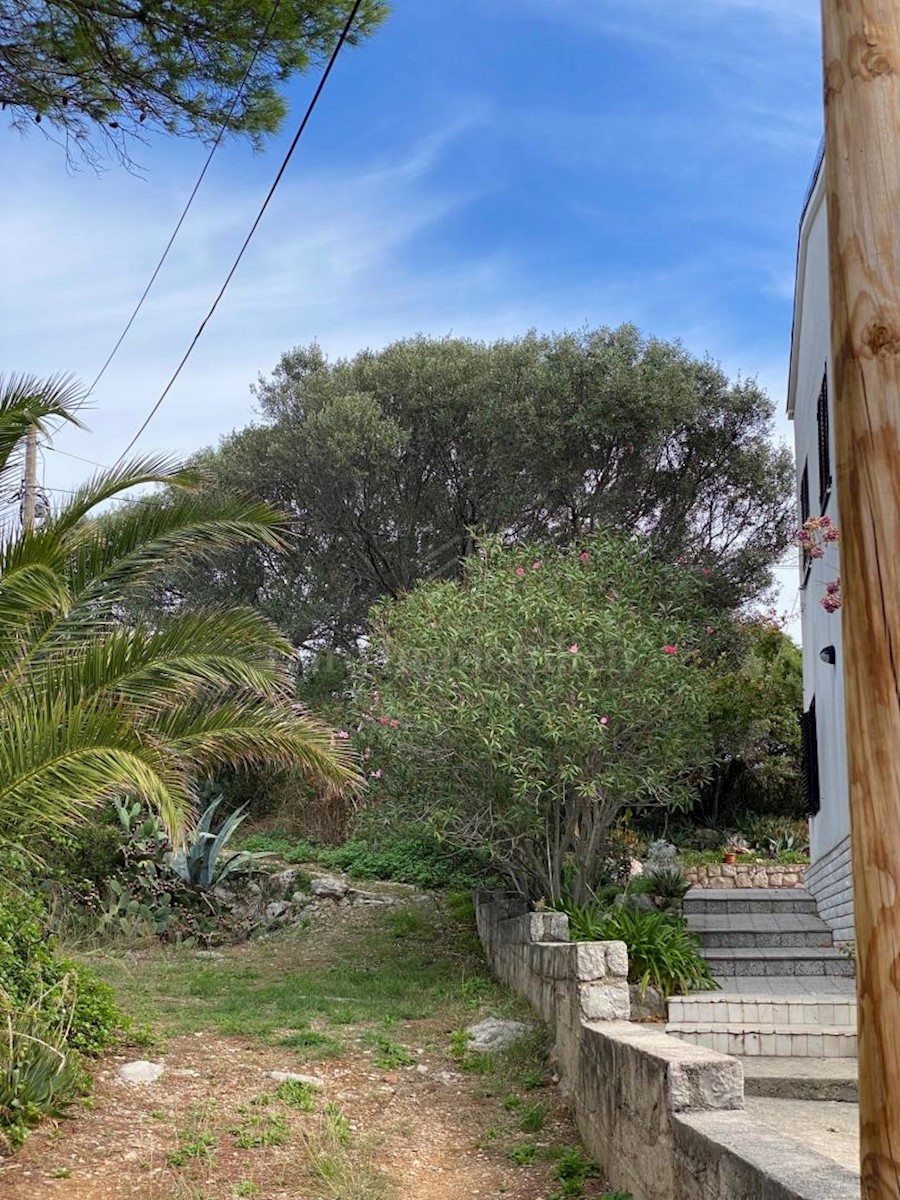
{"x": 345, "y": 32}
{"x": 78, "y": 458}
{"x": 187, "y": 208}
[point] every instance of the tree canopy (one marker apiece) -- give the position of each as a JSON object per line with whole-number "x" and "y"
{"x": 391, "y": 461}
{"x": 126, "y": 66}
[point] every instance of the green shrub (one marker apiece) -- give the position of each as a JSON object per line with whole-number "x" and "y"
{"x": 30, "y": 968}
{"x": 661, "y": 951}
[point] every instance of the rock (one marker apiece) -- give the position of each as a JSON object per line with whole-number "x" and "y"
{"x": 649, "y": 1007}
{"x": 493, "y": 1034}
{"x": 293, "y": 1077}
{"x": 640, "y": 901}
{"x": 298, "y": 898}
{"x": 140, "y": 1071}
{"x": 422, "y": 1069}
{"x": 284, "y": 882}
{"x": 277, "y": 910}
{"x": 635, "y": 868}
{"x": 356, "y": 897}
{"x": 329, "y": 887}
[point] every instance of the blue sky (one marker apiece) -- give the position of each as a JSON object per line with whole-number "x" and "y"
{"x": 479, "y": 167}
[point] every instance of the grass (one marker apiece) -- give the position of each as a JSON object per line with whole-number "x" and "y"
{"x": 295, "y": 997}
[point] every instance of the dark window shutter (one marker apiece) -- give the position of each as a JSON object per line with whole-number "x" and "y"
{"x": 804, "y": 517}
{"x": 809, "y": 758}
{"x": 824, "y": 445}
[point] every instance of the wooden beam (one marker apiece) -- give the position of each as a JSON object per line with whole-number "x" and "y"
{"x": 862, "y": 120}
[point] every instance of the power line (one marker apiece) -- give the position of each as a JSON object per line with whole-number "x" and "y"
{"x": 78, "y": 458}
{"x": 345, "y": 32}
{"x": 217, "y": 140}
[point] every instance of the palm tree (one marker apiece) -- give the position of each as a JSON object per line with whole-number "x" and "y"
{"x": 92, "y": 704}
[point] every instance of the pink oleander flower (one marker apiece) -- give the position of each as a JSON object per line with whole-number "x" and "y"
{"x": 536, "y": 565}
{"x": 670, "y": 649}
{"x": 604, "y": 720}
{"x": 520, "y": 571}
{"x": 375, "y": 774}
{"x": 384, "y": 720}
{"x": 394, "y": 722}
{"x": 709, "y": 631}
{"x": 343, "y": 734}
{"x": 706, "y": 571}
{"x": 573, "y": 649}
{"x": 584, "y": 556}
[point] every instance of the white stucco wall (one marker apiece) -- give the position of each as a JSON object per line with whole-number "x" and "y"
{"x": 830, "y": 829}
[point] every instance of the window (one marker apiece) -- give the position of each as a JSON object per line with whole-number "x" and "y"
{"x": 824, "y": 445}
{"x": 809, "y": 758}
{"x": 805, "y": 560}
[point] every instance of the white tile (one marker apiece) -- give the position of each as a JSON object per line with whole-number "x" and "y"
{"x": 799, "y": 1045}
{"x": 767, "y": 1045}
{"x": 814, "y": 1046}
{"x": 783, "y": 1045}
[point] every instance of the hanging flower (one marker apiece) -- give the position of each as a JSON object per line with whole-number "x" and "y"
{"x": 520, "y": 571}
{"x": 832, "y": 600}
{"x": 573, "y": 649}
{"x": 343, "y": 734}
{"x": 393, "y": 722}
{"x": 375, "y": 774}
{"x": 709, "y": 631}
{"x": 604, "y": 720}
{"x": 670, "y": 649}
{"x": 584, "y": 556}
{"x": 536, "y": 565}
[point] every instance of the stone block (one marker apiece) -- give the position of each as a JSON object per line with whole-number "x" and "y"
{"x": 616, "y": 958}
{"x": 590, "y": 960}
{"x": 712, "y": 1081}
{"x": 606, "y": 1001}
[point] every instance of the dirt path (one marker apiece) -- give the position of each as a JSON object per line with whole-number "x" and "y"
{"x": 214, "y": 1128}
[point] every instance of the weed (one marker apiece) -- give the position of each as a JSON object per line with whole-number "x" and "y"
{"x": 523, "y": 1156}
{"x": 337, "y": 1124}
{"x": 197, "y": 1145}
{"x": 297, "y": 1094}
{"x": 388, "y": 1055}
{"x": 512, "y": 1103}
{"x": 338, "y": 1173}
{"x": 402, "y": 924}
{"x": 246, "y": 1188}
{"x": 573, "y": 1169}
{"x": 255, "y": 1131}
{"x": 61, "y": 1173}
{"x": 532, "y": 1117}
{"x": 312, "y": 1045}
{"x": 617, "y": 1196}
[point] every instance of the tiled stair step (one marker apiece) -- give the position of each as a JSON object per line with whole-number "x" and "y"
{"x": 748, "y": 900}
{"x": 738, "y": 936}
{"x": 775, "y": 960}
{"x": 726, "y": 1009}
{"x": 781, "y": 1041}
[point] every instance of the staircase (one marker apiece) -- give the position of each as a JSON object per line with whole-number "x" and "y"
{"x": 784, "y": 991}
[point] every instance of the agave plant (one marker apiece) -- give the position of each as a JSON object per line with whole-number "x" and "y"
{"x": 92, "y": 704}
{"x": 200, "y": 862}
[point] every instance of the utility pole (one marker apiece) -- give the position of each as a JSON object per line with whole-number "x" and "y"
{"x": 862, "y": 123}
{"x": 29, "y": 490}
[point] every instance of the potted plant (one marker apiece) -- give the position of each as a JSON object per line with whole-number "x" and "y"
{"x": 734, "y": 846}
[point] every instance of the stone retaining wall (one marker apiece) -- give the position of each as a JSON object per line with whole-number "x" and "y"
{"x": 746, "y": 875}
{"x": 664, "y": 1117}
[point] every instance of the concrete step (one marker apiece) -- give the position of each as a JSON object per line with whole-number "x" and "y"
{"x": 734, "y": 1008}
{"x": 748, "y": 900}
{"x": 770, "y": 1040}
{"x": 775, "y": 960}
{"x": 802, "y": 1078}
{"x": 739, "y": 936}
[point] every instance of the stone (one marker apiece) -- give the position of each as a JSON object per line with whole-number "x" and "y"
{"x": 298, "y": 898}
{"x": 605, "y": 1002}
{"x": 277, "y": 910}
{"x": 285, "y": 882}
{"x": 590, "y": 961}
{"x": 651, "y": 1006}
{"x": 494, "y": 1034}
{"x": 329, "y": 887}
{"x": 293, "y": 1077}
{"x": 357, "y": 897}
{"x": 616, "y": 958}
{"x": 635, "y": 869}
{"x": 140, "y": 1071}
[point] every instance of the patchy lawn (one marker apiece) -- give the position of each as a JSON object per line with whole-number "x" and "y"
{"x": 370, "y": 1001}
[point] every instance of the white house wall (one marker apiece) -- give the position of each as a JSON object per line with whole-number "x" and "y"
{"x": 829, "y": 874}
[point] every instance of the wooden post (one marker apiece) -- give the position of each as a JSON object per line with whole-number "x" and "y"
{"x": 862, "y": 121}
{"x": 29, "y": 490}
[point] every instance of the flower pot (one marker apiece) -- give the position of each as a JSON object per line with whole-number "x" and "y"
{"x": 729, "y": 857}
